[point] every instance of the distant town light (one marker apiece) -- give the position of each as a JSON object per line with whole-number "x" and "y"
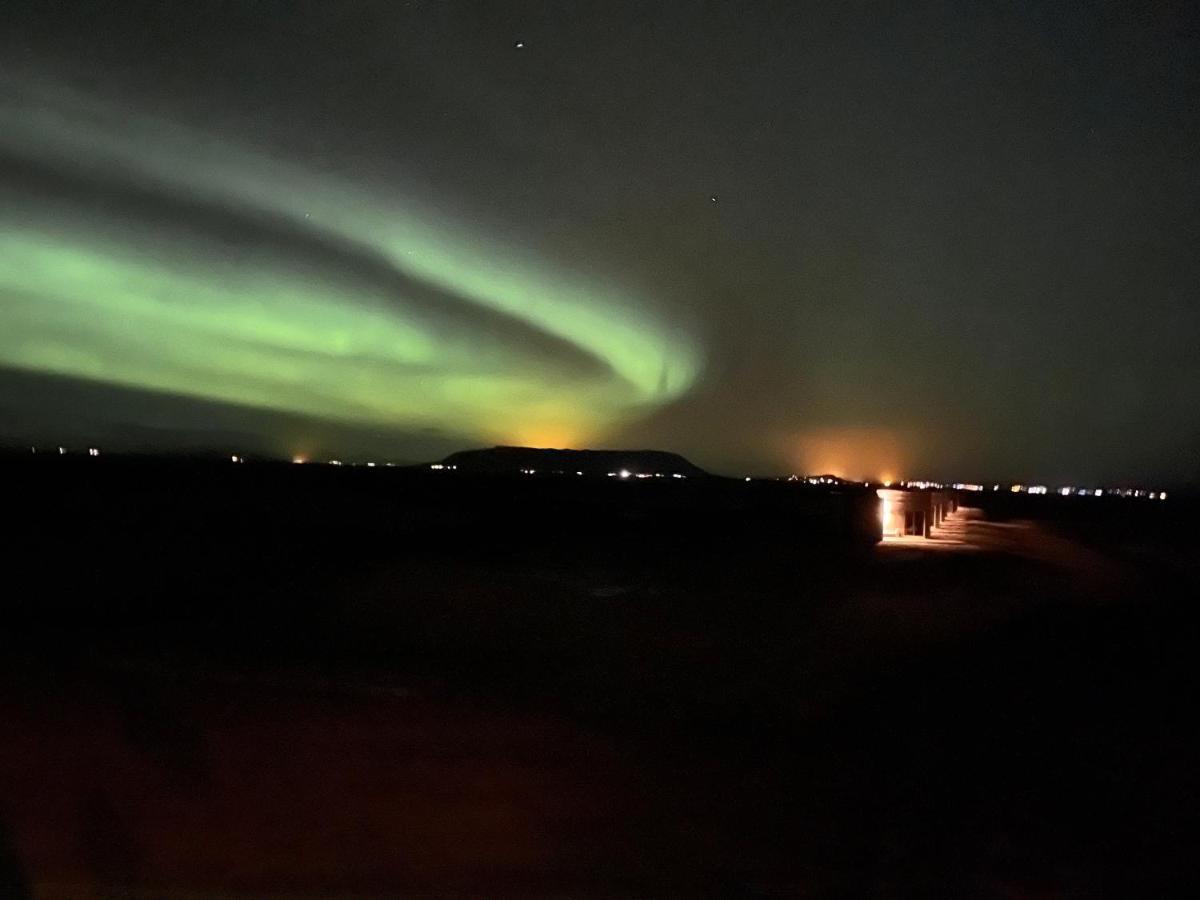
{"x": 437, "y": 467}
{"x": 298, "y": 460}
{"x": 578, "y": 473}
{"x": 624, "y": 473}
{"x": 370, "y": 465}
{"x": 92, "y": 451}
{"x": 1066, "y": 491}
{"x": 62, "y": 450}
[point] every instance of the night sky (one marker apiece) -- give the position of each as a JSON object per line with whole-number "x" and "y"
{"x": 946, "y": 240}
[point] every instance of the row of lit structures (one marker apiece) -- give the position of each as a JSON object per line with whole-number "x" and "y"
{"x": 622, "y": 474}
{"x": 62, "y": 451}
{"x": 1034, "y": 489}
{"x": 330, "y": 462}
{"x": 921, "y": 485}
{"x": 1039, "y": 489}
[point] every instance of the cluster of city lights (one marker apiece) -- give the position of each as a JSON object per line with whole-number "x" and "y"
{"x": 814, "y": 479}
{"x": 1070, "y": 491}
{"x": 1038, "y": 489}
{"x": 303, "y": 460}
{"x": 625, "y": 474}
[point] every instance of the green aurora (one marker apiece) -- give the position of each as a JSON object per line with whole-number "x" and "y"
{"x": 90, "y": 293}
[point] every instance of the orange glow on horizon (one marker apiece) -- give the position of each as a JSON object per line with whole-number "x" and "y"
{"x": 555, "y": 437}
{"x": 856, "y": 453}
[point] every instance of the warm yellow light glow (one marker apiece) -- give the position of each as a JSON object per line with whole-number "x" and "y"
{"x": 885, "y": 509}
{"x": 298, "y": 459}
{"x": 559, "y": 436}
{"x": 858, "y": 454}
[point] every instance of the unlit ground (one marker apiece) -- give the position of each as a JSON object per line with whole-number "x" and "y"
{"x": 1001, "y": 720}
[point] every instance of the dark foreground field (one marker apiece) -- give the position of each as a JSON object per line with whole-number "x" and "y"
{"x": 250, "y": 681}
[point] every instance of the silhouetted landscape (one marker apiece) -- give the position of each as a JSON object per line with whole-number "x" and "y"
{"x": 240, "y": 680}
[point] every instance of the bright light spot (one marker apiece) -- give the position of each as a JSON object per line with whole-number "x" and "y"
{"x": 234, "y": 459}
{"x": 298, "y": 460}
{"x": 1097, "y": 492}
{"x": 1066, "y": 492}
{"x": 624, "y": 473}
{"x": 92, "y": 451}
{"x": 370, "y": 465}
{"x": 578, "y": 473}
{"x": 885, "y": 509}
{"x": 437, "y": 467}
{"x": 887, "y": 482}
{"x": 62, "y": 450}
{"x": 520, "y": 45}
{"x": 1016, "y": 488}
{"x": 747, "y": 477}
{"x": 1162, "y": 495}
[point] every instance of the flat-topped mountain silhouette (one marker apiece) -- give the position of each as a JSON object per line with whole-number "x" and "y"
{"x": 537, "y": 460}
